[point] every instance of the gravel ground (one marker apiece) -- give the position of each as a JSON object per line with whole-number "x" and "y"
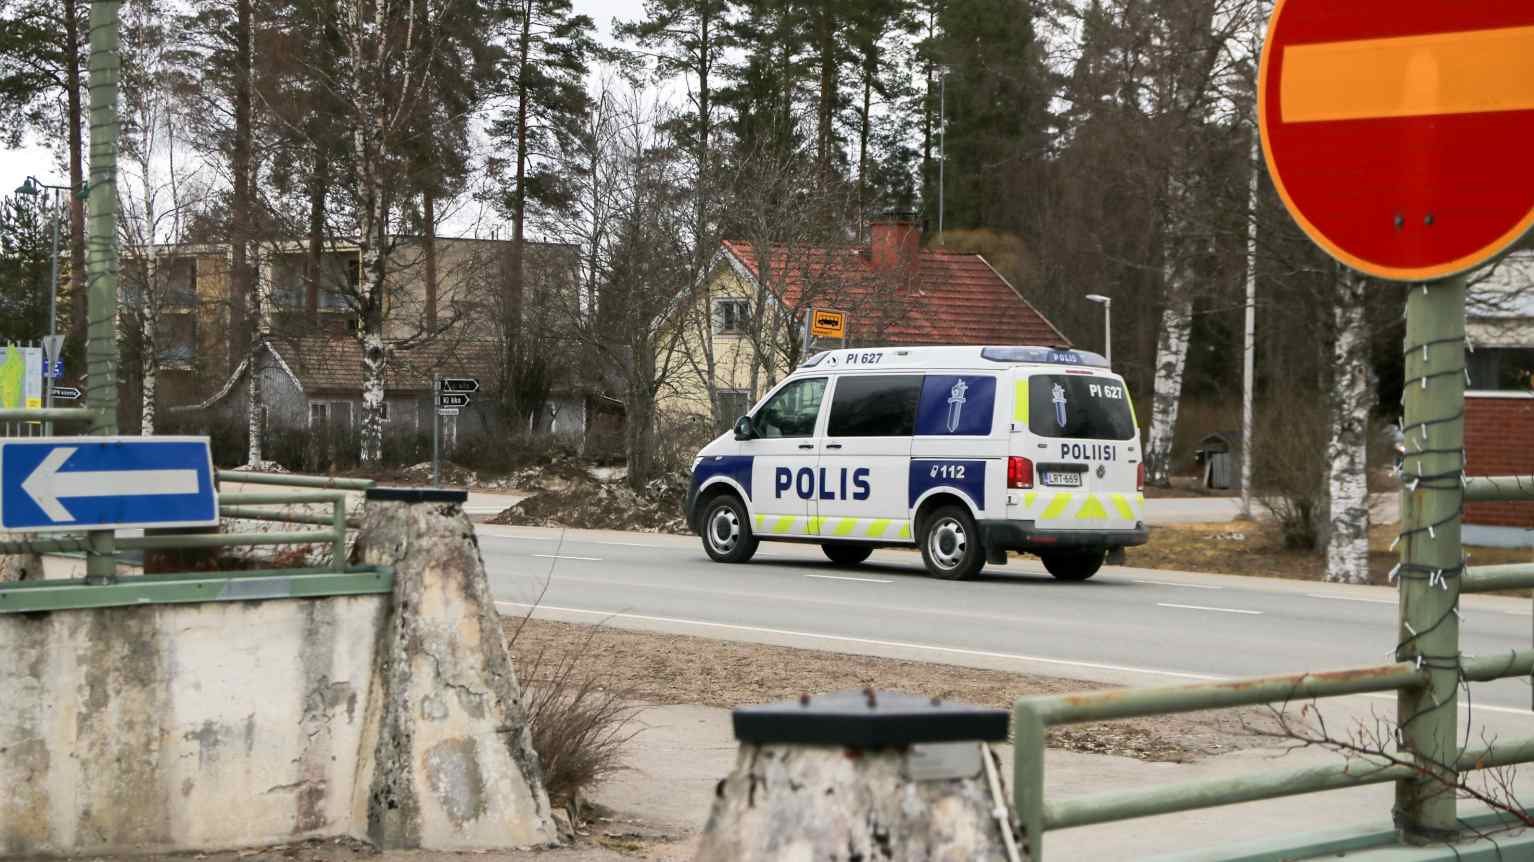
{"x": 677, "y": 669}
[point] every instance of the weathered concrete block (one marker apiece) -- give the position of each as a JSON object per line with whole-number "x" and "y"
{"x": 183, "y": 727}
{"x": 454, "y": 767}
{"x": 789, "y": 803}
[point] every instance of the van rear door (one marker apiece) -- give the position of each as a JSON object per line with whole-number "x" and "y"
{"x": 1085, "y": 450}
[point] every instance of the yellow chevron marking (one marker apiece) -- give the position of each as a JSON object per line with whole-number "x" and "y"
{"x": 784, "y": 524}
{"x": 1020, "y": 402}
{"x": 814, "y": 525}
{"x": 761, "y": 522}
{"x": 905, "y": 530}
{"x": 1092, "y": 510}
{"x": 877, "y": 528}
{"x": 1140, "y": 500}
{"x": 1056, "y": 507}
{"x": 1121, "y": 504}
{"x": 1029, "y": 498}
{"x": 846, "y": 526}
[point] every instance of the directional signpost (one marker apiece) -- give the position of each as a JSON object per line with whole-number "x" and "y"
{"x": 452, "y": 395}
{"x": 106, "y": 483}
{"x": 1396, "y": 133}
{"x": 68, "y": 393}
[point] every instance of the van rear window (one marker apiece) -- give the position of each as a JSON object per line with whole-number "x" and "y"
{"x": 1087, "y": 408}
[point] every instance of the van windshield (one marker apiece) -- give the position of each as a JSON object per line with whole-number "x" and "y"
{"x": 1090, "y": 408}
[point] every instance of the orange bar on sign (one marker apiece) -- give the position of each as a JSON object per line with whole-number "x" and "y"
{"x": 1474, "y": 72}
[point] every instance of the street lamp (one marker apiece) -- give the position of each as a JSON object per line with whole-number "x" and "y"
{"x": 1107, "y": 303}
{"x": 32, "y": 188}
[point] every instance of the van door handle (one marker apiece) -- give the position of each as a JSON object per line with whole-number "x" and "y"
{"x": 833, "y": 445}
{"x": 806, "y": 445}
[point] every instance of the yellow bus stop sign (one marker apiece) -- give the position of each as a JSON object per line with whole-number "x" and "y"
{"x": 828, "y": 323}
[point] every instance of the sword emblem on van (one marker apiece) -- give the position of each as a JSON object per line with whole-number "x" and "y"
{"x": 956, "y": 401}
{"x": 1059, "y": 398}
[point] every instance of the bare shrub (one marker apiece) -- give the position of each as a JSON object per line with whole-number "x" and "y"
{"x": 680, "y": 436}
{"x": 579, "y": 719}
{"x": 1289, "y": 473}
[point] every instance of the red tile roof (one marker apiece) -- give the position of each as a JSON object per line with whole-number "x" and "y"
{"x": 944, "y": 298}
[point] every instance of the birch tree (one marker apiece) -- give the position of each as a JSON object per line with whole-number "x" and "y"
{"x": 1347, "y": 546}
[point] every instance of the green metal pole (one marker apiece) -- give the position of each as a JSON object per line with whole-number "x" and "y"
{"x": 1028, "y": 740}
{"x": 101, "y": 265}
{"x": 1431, "y": 556}
{"x": 338, "y": 549}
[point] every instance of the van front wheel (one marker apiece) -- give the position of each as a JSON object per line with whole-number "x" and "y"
{"x": 1074, "y": 565}
{"x": 950, "y": 545}
{"x": 727, "y": 533}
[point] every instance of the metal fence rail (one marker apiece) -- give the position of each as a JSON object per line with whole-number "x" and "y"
{"x": 1033, "y": 716}
{"x": 191, "y": 587}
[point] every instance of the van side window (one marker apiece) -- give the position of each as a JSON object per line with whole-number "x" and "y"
{"x": 792, "y": 411}
{"x": 874, "y": 405}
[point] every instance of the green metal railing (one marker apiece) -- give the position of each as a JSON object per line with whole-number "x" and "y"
{"x": 193, "y": 587}
{"x": 1033, "y": 716}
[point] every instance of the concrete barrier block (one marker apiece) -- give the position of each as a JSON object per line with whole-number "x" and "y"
{"x": 454, "y": 767}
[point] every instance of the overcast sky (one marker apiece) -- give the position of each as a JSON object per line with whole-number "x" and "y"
{"x": 35, "y": 160}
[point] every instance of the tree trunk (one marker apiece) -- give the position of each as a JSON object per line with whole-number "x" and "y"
{"x": 241, "y": 209}
{"x": 368, "y": 157}
{"x": 429, "y": 208}
{"x": 1347, "y": 546}
{"x": 455, "y": 768}
{"x": 825, "y": 115}
{"x": 317, "y": 187}
{"x": 863, "y": 124}
{"x": 830, "y": 803}
{"x": 76, "y": 123}
{"x": 149, "y": 336}
{"x": 1171, "y": 361}
{"x": 639, "y": 431}
{"x": 511, "y": 303}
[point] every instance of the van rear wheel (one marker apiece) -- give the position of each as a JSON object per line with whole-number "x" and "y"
{"x": 727, "y": 535}
{"x": 846, "y": 554}
{"x": 950, "y": 544}
{"x": 1074, "y": 565}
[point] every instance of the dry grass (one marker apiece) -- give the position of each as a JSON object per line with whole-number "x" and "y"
{"x": 678, "y": 669}
{"x": 580, "y": 715}
{"x": 1255, "y": 548}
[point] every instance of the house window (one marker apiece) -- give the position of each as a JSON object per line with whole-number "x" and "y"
{"x": 733, "y": 404}
{"x": 731, "y": 316}
{"x": 1502, "y": 368}
{"x": 180, "y": 284}
{"x": 176, "y": 335}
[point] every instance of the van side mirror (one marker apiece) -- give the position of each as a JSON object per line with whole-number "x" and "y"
{"x": 744, "y": 430}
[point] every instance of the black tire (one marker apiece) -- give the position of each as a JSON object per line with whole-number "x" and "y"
{"x": 1074, "y": 565}
{"x": 726, "y": 530}
{"x": 950, "y": 544}
{"x": 846, "y": 554}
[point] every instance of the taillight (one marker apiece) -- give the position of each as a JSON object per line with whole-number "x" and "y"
{"x": 1140, "y": 477}
{"x": 1019, "y": 472}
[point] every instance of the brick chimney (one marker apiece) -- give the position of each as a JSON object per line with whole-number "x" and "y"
{"x": 893, "y": 241}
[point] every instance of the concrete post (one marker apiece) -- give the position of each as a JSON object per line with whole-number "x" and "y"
{"x": 1432, "y": 558}
{"x": 454, "y": 768}
{"x": 862, "y": 775}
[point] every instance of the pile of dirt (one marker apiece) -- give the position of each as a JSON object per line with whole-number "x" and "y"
{"x": 452, "y": 474}
{"x": 573, "y": 497}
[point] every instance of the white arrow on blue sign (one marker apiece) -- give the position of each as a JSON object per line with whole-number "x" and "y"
{"x": 106, "y": 483}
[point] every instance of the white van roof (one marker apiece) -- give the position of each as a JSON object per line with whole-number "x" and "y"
{"x": 871, "y": 358}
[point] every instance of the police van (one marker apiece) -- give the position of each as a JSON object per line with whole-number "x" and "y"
{"x": 966, "y": 452}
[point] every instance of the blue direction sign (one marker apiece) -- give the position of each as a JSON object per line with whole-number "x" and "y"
{"x": 105, "y": 483}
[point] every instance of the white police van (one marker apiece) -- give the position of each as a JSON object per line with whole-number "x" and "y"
{"x": 967, "y": 452}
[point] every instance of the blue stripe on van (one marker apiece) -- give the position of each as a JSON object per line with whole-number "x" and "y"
{"x": 965, "y": 477}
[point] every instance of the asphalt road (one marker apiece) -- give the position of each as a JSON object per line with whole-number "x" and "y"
{"x": 1125, "y": 626}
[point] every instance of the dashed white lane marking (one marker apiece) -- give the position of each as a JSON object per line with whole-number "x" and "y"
{"x": 1174, "y": 584}
{"x": 1351, "y": 599}
{"x": 846, "y": 578}
{"x": 568, "y": 557}
{"x": 1205, "y": 608}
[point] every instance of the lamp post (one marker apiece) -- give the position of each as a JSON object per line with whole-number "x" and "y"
{"x": 32, "y": 188}
{"x": 1107, "y": 304}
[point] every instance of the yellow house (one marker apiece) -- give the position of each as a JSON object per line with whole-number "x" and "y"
{"x": 746, "y": 332}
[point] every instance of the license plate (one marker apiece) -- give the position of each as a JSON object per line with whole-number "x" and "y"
{"x": 1072, "y": 480}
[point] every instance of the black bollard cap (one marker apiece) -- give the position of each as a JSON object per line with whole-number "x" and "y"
{"x": 868, "y": 719}
{"x": 419, "y": 495}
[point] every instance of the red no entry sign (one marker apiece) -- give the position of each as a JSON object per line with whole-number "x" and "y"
{"x": 1398, "y": 132}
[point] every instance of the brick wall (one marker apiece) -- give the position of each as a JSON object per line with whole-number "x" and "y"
{"x": 1499, "y": 441}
